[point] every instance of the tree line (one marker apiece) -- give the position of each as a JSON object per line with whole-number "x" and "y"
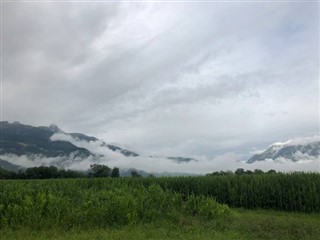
{"x": 44, "y": 172}
{"x": 240, "y": 171}
{"x": 98, "y": 171}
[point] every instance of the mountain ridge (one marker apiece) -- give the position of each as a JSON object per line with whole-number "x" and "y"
{"x": 295, "y": 150}
{"x": 21, "y": 139}
{"x": 23, "y": 146}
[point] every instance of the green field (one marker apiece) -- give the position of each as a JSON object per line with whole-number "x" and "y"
{"x": 246, "y": 225}
{"x": 163, "y": 208}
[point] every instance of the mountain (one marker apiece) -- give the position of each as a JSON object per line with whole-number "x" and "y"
{"x": 9, "y": 166}
{"x": 299, "y": 149}
{"x": 82, "y": 137}
{"x": 23, "y": 146}
{"x": 181, "y": 159}
{"x": 20, "y": 139}
{"x": 124, "y": 152}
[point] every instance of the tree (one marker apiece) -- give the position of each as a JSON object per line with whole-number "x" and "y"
{"x": 216, "y": 173}
{"x": 239, "y": 171}
{"x": 70, "y": 174}
{"x": 6, "y": 174}
{"x": 258, "y": 171}
{"x": 97, "y": 170}
{"x": 42, "y": 172}
{"x": 135, "y": 174}
{"x": 115, "y": 172}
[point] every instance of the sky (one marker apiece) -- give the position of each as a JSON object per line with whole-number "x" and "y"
{"x": 192, "y": 79}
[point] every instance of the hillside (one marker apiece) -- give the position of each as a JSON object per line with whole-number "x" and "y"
{"x": 300, "y": 149}
{"x": 48, "y": 143}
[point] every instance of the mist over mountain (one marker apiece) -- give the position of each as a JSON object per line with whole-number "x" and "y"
{"x": 295, "y": 150}
{"x": 9, "y": 166}
{"x": 31, "y": 146}
{"x": 23, "y": 146}
{"x": 20, "y": 139}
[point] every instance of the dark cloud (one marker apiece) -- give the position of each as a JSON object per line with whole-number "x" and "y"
{"x": 176, "y": 78}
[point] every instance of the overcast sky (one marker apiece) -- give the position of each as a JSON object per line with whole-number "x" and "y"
{"x": 173, "y": 79}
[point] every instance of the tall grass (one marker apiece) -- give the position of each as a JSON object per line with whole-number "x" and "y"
{"x": 107, "y": 201}
{"x": 97, "y": 203}
{"x": 297, "y": 192}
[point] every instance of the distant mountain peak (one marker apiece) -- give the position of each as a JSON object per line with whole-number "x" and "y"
{"x": 50, "y": 142}
{"x": 294, "y": 149}
{"x": 55, "y": 128}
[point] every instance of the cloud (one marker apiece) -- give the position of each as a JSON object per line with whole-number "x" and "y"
{"x": 298, "y": 141}
{"x": 165, "y": 78}
{"x": 308, "y": 164}
{"x": 28, "y": 161}
{"x": 98, "y": 147}
{"x": 225, "y": 162}
{"x": 158, "y": 164}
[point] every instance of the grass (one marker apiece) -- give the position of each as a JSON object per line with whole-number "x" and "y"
{"x": 267, "y": 224}
{"x": 164, "y": 208}
{"x": 247, "y": 224}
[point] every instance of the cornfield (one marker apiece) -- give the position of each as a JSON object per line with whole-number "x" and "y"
{"x": 109, "y": 201}
{"x": 295, "y": 192}
{"x": 69, "y": 203}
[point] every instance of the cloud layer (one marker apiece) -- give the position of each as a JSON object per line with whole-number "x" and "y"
{"x": 158, "y": 164}
{"x": 184, "y": 79}
{"x": 299, "y": 141}
{"x": 224, "y": 162}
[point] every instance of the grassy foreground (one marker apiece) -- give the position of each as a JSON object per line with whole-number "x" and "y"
{"x": 246, "y": 224}
{"x": 162, "y": 208}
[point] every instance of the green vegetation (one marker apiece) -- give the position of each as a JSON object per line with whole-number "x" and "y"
{"x": 43, "y": 172}
{"x": 299, "y": 192}
{"x": 162, "y": 208}
{"x": 97, "y": 203}
{"x": 245, "y": 225}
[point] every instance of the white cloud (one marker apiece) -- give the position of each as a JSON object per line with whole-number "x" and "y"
{"x": 96, "y": 147}
{"x": 298, "y": 141}
{"x": 203, "y": 165}
{"x": 286, "y": 165}
{"x": 39, "y": 160}
{"x": 224, "y": 162}
{"x": 165, "y": 78}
